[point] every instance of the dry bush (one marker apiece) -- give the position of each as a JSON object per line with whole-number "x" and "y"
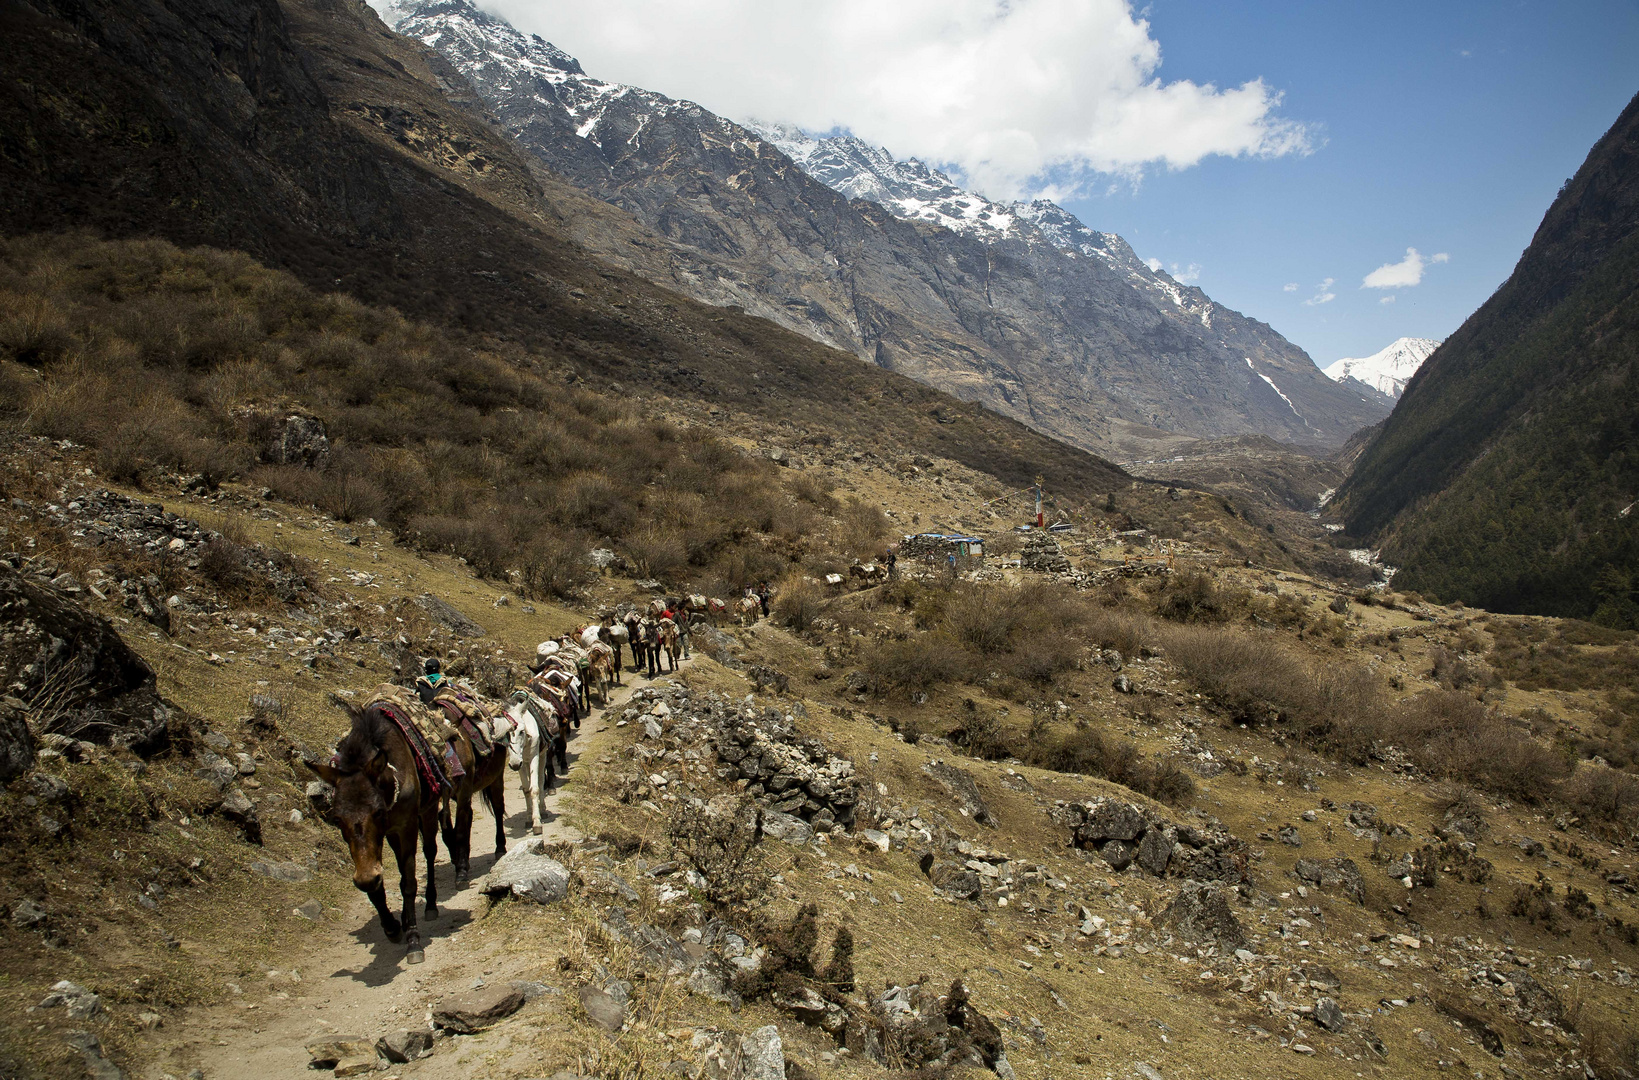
{"x": 1250, "y": 675}
{"x": 797, "y": 602}
{"x": 1602, "y": 793}
{"x": 723, "y": 848}
{"x": 1193, "y": 597}
{"x": 1087, "y": 751}
{"x": 550, "y": 565}
{"x": 1452, "y": 735}
{"x": 915, "y": 665}
{"x": 860, "y": 529}
{"x": 657, "y": 551}
{"x": 1127, "y": 632}
{"x": 981, "y": 734}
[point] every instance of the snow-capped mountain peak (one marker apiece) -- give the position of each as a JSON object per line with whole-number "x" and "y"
{"x": 1387, "y": 371}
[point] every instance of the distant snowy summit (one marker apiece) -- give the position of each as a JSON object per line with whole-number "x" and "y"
{"x": 1388, "y": 371}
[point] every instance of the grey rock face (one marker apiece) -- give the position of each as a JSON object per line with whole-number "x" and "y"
{"x": 1329, "y": 1015}
{"x": 1337, "y": 873}
{"x": 602, "y": 1008}
{"x": 959, "y": 783}
{"x": 113, "y": 697}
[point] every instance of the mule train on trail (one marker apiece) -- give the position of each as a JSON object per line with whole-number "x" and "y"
{"x": 412, "y": 760}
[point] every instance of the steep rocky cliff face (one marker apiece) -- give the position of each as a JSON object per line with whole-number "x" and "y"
{"x": 1506, "y": 476}
{"x": 1021, "y": 307}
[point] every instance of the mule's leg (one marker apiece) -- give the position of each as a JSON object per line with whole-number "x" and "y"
{"x": 462, "y": 853}
{"x": 561, "y": 745}
{"x": 543, "y": 787}
{"x": 495, "y": 795}
{"x": 377, "y": 892}
{"x": 404, "y": 851}
{"x": 429, "y": 848}
{"x": 526, "y": 781}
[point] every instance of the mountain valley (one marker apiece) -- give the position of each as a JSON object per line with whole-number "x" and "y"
{"x": 327, "y": 351}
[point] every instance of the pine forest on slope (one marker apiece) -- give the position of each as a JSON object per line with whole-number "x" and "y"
{"x": 1020, "y": 307}
{"x": 1507, "y": 475}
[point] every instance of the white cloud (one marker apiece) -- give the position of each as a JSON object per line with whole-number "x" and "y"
{"x": 1323, "y": 294}
{"x": 1020, "y": 96}
{"x": 1403, "y": 274}
{"x": 1290, "y": 286}
{"x": 1389, "y": 299}
{"x": 1154, "y": 264}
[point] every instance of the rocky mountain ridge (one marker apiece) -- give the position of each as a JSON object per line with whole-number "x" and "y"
{"x": 1048, "y": 321}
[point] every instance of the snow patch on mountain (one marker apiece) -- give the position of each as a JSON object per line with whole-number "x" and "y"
{"x": 1276, "y": 389}
{"x": 1386, "y": 371}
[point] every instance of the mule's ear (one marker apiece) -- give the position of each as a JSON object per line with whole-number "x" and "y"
{"x": 352, "y": 709}
{"x": 322, "y": 769}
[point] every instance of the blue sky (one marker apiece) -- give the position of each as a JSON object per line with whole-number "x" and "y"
{"x": 1447, "y": 127}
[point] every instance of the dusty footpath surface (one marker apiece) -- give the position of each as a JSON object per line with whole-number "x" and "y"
{"x": 356, "y": 982}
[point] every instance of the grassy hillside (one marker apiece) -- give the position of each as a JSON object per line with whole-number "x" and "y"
{"x": 1505, "y": 475}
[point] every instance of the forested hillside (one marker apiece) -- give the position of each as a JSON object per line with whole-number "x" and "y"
{"x": 1507, "y": 475}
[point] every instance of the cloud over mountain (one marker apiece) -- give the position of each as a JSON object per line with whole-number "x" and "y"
{"x": 1017, "y": 95}
{"x": 1405, "y": 273}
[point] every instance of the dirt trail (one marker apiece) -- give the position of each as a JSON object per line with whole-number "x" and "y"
{"x": 356, "y": 982}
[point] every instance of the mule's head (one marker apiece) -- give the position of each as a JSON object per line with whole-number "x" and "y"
{"x": 367, "y": 786}
{"x": 517, "y": 711}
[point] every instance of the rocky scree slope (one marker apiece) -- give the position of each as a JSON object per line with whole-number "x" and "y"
{"x": 1020, "y": 307}
{"x": 1507, "y": 474}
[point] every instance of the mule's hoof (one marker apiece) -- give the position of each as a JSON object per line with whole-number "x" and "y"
{"x": 430, "y": 911}
{"x": 539, "y": 829}
{"x": 414, "y": 956}
{"x": 395, "y": 936}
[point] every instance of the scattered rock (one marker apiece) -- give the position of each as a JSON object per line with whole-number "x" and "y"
{"x": 334, "y": 1051}
{"x": 96, "y": 1064}
{"x": 447, "y": 617}
{"x": 786, "y": 827}
{"x": 1337, "y": 873}
{"x": 1289, "y": 835}
{"x": 282, "y": 871}
{"x": 405, "y": 1045}
{"x": 299, "y": 440}
{"x": 477, "y": 1009}
{"x": 237, "y": 808}
{"x": 527, "y": 873}
{"x": 28, "y": 915}
{"x": 602, "y": 1008}
{"x": 959, "y": 784}
{"x": 110, "y": 692}
{"x": 80, "y": 1003}
{"x": 16, "y": 741}
{"x": 1329, "y": 1015}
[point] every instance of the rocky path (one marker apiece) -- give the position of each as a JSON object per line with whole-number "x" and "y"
{"x": 356, "y": 982}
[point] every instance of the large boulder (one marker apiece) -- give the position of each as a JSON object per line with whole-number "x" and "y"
{"x": 1201, "y": 913}
{"x": 527, "y": 873}
{"x": 105, "y": 691}
{"x": 1111, "y": 820}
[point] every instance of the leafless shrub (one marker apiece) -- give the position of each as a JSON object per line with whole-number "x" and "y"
{"x": 722, "y": 846}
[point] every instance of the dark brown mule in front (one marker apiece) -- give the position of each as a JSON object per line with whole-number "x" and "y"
{"x": 486, "y": 773}
{"x": 380, "y": 796}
